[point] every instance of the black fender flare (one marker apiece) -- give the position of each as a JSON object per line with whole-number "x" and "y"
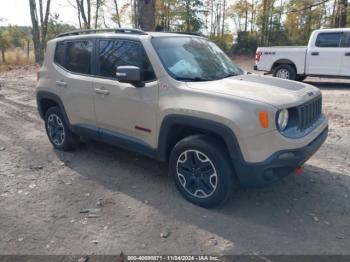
{"x": 40, "y": 95}
{"x": 224, "y": 132}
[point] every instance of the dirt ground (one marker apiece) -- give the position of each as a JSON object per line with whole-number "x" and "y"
{"x": 132, "y": 202}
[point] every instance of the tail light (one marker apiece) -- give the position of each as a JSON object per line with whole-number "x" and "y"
{"x": 258, "y": 56}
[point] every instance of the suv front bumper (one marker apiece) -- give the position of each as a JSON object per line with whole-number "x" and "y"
{"x": 279, "y": 165}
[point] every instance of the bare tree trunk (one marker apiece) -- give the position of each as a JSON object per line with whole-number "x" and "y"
{"x": 98, "y": 5}
{"x": 44, "y": 24}
{"x": 88, "y": 2}
{"x": 39, "y": 32}
{"x": 38, "y": 51}
{"x": 263, "y": 28}
{"x": 343, "y": 5}
{"x": 117, "y": 13}
{"x": 146, "y": 21}
{"x": 85, "y": 16}
{"x": 223, "y": 18}
{"x": 334, "y": 14}
{"x": 218, "y": 18}
{"x": 252, "y": 20}
{"x": 211, "y": 17}
{"x": 246, "y": 17}
{"x": 28, "y": 47}
{"x": 134, "y": 5}
{"x": 3, "y": 55}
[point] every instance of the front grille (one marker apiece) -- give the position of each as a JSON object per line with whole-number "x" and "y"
{"x": 309, "y": 113}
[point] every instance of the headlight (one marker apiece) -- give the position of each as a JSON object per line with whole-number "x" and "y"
{"x": 282, "y": 119}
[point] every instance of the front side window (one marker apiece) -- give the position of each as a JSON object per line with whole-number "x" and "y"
{"x": 328, "y": 39}
{"x": 114, "y": 53}
{"x": 79, "y": 56}
{"x": 194, "y": 59}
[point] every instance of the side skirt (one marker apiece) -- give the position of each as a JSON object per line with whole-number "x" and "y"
{"x": 114, "y": 139}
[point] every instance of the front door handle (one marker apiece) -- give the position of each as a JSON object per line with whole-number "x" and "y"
{"x": 347, "y": 54}
{"x": 102, "y": 91}
{"x": 315, "y": 53}
{"x": 61, "y": 83}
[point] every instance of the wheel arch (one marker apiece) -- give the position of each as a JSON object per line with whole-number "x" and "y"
{"x": 45, "y": 100}
{"x": 176, "y": 127}
{"x": 283, "y": 61}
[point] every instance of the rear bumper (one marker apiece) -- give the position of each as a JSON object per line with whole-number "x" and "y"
{"x": 279, "y": 165}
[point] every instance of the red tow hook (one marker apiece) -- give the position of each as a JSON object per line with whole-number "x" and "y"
{"x": 299, "y": 170}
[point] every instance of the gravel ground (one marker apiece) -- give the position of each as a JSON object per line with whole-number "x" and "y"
{"x": 132, "y": 203}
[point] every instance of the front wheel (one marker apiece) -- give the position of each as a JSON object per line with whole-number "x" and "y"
{"x": 285, "y": 71}
{"x": 202, "y": 170}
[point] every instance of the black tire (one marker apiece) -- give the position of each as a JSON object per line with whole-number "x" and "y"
{"x": 55, "y": 125}
{"x": 285, "y": 71}
{"x": 300, "y": 78}
{"x": 221, "y": 175}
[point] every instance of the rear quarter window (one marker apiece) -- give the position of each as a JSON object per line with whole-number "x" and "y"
{"x": 59, "y": 54}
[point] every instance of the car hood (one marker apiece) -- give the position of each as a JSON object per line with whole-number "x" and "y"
{"x": 277, "y": 92}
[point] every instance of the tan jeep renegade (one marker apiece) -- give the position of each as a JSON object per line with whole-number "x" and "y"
{"x": 178, "y": 98}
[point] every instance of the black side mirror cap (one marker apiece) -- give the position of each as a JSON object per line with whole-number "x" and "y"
{"x": 129, "y": 74}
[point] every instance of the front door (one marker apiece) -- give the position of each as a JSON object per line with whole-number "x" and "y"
{"x": 123, "y": 109}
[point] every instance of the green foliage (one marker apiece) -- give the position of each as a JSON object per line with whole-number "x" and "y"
{"x": 5, "y": 39}
{"x": 55, "y": 27}
{"x": 224, "y": 42}
{"x": 246, "y": 43}
{"x": 189, "y": 15}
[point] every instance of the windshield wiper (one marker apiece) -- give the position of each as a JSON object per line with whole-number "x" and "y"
{"x": 192, "y": 79}
{"x": 230, "y": 75}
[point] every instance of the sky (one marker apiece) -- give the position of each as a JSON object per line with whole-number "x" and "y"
{"x": 16, "y": 12}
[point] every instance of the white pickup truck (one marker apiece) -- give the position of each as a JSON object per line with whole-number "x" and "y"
{"x": 327, "y": 55}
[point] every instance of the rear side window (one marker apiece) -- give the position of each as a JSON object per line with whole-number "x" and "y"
{"x": 59, "y": 54}
{"x": 114, "y": 53}
{"x": 328, "y": 39}
{"x": 345, "y": 42}
{"x": 79, "y": 56}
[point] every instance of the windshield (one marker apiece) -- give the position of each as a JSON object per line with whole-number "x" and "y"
{"x": 194, "y": 59}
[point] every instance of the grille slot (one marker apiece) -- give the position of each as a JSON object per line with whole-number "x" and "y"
{"x": 309, "y": 113}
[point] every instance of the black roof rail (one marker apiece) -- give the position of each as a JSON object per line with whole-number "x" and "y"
{"x": 94, "y": 31}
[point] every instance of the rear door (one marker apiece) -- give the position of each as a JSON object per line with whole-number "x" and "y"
{"x": 73, "y": 79}
{"x": 324, "y": 56}
{"x": 345, "y": 47}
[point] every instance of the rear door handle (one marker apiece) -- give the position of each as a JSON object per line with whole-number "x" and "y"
{"x": 102, "y": 91}
{"x": 315, "y": 53}
{"x": 347, "y": 54}
{"x": 61, "y": 83}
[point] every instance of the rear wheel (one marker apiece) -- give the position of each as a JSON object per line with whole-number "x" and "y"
{"x": 57, "y": 130}
{"x": 285, "y": 71}
{"x": 202, "y": 170}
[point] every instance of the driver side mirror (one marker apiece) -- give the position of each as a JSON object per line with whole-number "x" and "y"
{"x": 129, "y": 74}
